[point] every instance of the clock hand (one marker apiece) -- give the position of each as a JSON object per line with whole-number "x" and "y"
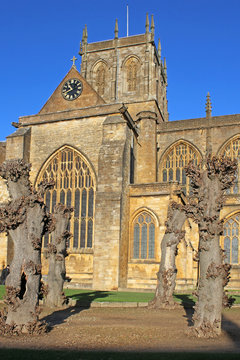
{"x": 67, "y": 91}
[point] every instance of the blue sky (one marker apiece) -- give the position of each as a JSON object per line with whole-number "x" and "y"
{"x": 200, "y": 40}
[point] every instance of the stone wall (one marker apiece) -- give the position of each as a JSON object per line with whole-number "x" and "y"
{"x": 202, "y": 133}
{"x": 4, "y": 198}
{"x": 155, "y": 198}
{"x": 113, "y": 175}
{"x": 2, "y": 151}
{"x": 104, "y": 140}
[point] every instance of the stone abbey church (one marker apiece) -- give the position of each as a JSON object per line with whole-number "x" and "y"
{"x": 105, "y": 138}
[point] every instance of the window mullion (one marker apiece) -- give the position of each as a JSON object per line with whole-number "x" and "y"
{"x": 147, "y": 241}
{"x": 67, "y": 158}
{"x": 87, "y": 218}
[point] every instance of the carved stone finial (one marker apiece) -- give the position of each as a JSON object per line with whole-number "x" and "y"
{"x": 152, "y": 26}
{"x": 83, "y": 36}
{"x": 81, "y": 49}
{"x": 147, "y": 24}
{"x": 159, "y": 49}
{"x": 73, "y": 60}
{"x": 208, "y": 107}
{"x": 86, "y": 33}
{"x": 116, "y": 29}
{"x": 165, "y": 67}
{"x": 165, "y": 64}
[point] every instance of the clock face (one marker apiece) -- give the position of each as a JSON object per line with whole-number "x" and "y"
{"x": 72, "y": 89}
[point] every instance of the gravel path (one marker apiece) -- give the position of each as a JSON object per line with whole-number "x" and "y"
{"x": 127, "y": 329}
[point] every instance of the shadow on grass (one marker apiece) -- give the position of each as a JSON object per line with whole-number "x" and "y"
{"x": 9, "y": 354}
{"x": 188, "y": 304}
{"x": 83, "y": 301}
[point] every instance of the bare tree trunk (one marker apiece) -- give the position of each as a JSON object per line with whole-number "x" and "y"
{"x": 56, "y": 253}
{"x": 24, "y": 218}
{"x": 166, "y": 277}
{"x": 209, "y": 185}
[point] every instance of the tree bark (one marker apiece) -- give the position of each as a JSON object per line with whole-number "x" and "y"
{"x": 24, "y": 218}
{"x": 56, "y": 254}
{"x": 166, "y": 276}
{"x": 208, "y": 186}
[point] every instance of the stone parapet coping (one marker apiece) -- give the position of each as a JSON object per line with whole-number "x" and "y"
{"x": 110, "y": 304}
{"x": 104, "y": 304}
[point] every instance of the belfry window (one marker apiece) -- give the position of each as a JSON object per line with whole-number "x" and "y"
{"x": 172, "y": 167}
{"x": 230, "y": 242}
{"x": 232, "y": 150}
{"x": 100, "y": 79}
{"x": 74, "y": 187}
{"x": 131, "y": 67}
{"x": 143, "y": 244}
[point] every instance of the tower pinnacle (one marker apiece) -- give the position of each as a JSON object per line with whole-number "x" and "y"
{"x": 86, "y": 33}
{"x": 147, "y": 24}
{"x": 152, "y": 27}
{"x": 159, "y": 49}
{"x": 83, "y": 36}
{"x": 116, "y": 29}
{"x": 165, "y": 66}
{"x": 208, "y": 107}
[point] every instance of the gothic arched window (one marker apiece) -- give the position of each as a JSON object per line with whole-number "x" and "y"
{"x": 131, "y": 70}
{"x": 230, "y": 239}
{"x": 101, "y": 79}
{"x": 74, "y": 187}
{"x": 232, "y": 150}
{"x": 143, "y": 237}
{"x": 175, "y": 160}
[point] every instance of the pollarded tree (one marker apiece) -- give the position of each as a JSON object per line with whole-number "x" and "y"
{"x": 166, "y": 276}
{"x": 24, "y": 218}
{"x": 56, "y": 253}
{"x": 208, "y": 184}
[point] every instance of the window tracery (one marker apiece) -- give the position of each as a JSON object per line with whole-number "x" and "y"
{"x": 131, "y": 69}
{"x": 232, "y": 150}
{"x": 172, "y": 167}
{"x": 143, "y": 237}
{"x": 230, "y": 239}
{"x": 101, "y": 79}
{"x": 74, "y": 187}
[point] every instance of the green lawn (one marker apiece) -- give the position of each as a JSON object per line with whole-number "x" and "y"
{"x": 87, "y": 296}
{"x": 2, "y": 291}
{"x": 112, "y": 296}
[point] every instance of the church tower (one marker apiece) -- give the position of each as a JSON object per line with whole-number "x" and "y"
{"x": 128, "y": 69}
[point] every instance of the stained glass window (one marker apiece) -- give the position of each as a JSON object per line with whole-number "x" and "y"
{"x": 74, "y": 187}
{"x": 174, "y": 161}
{"x": 143, "y": 237}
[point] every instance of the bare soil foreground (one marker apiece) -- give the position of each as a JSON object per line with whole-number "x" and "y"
{"x": 127, "y": 329}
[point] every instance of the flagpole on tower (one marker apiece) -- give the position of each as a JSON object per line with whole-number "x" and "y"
{"x": 127, "y": 19}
